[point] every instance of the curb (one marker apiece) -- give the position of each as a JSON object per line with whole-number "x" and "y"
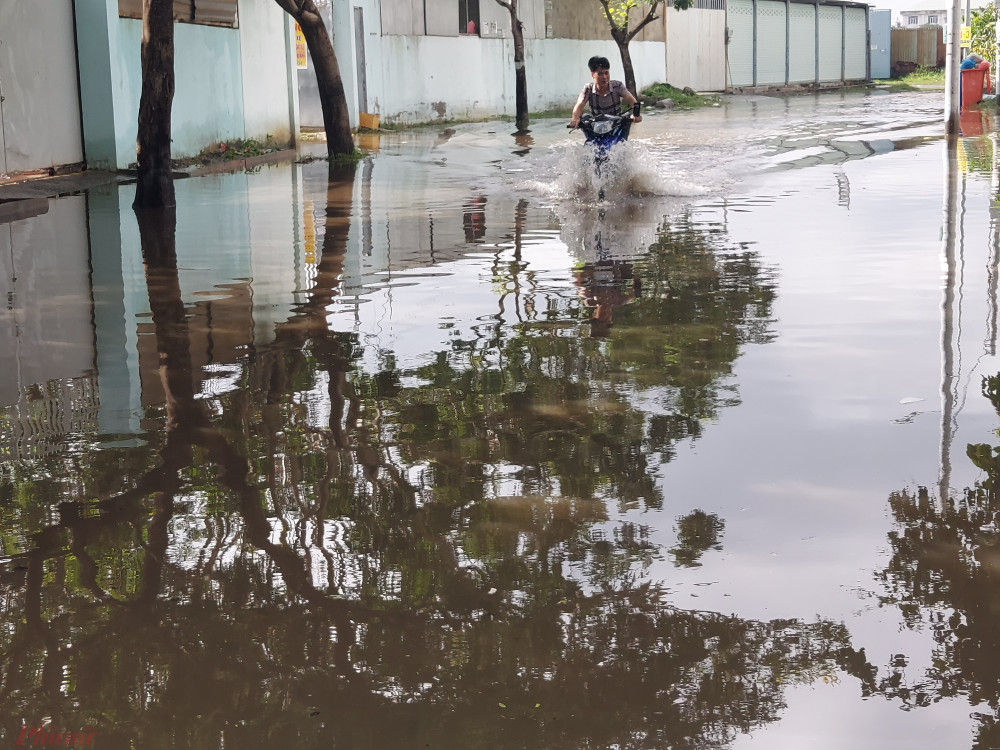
{"x": 239, "y": 165}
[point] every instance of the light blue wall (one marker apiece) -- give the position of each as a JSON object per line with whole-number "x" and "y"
{"x": 229, "y": 83}
{"x": 208, "y": 87}
{"x": 96, "y": 36}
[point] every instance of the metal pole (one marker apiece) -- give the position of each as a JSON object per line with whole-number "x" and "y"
{"x": 947, "y": 316}
{"x": 816, "y": 27}
{"x": 952, "y": 70}
{"x": 788, "y": 40}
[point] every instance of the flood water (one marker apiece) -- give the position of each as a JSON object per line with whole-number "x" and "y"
{"x": 444, "y": 451}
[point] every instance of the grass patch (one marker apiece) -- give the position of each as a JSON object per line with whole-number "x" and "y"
{"x": 346, "y": 159}
{"x": 686, "y": 98}
{"x": 233, "y": 150}
{"x": 919, "y": 77}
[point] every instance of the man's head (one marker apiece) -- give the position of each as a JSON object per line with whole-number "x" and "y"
{"x": 600, "y": 71}
{"x": 598, "y": 63}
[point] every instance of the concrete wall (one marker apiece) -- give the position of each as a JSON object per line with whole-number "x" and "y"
{"x": 412, "y": 76}
{"x": 573, "y": 19}
{"x": 557, "y": 68}
{"x": 230, "y": 83}
{"x": 413, "y": 79}
{"x": 696, "y": 49}
{"x": 266, "y": 41}
{"x": 40, "y": 111}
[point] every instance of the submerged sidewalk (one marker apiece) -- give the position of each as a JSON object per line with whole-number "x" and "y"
{"x": 22, "y": 200}
{"x": 29, "y": 197}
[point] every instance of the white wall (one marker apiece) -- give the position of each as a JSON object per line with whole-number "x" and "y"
{"x": 428, "y": 78}
{"x": 267, "y": 57}
{"x": 557, "y": 68}
{"x": 40, "y": 114}
{"x": 696, "y": 49}
{"x": 420, "y": 83}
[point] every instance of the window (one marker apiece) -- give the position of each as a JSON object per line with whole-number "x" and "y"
{"x": 468, "y": 17}
{"x": 931, "y": 19}
{"x": 207, "y": 12}
{"x": 912, "y": 20}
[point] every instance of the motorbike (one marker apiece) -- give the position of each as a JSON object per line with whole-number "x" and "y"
{"x": 602, "y": 132}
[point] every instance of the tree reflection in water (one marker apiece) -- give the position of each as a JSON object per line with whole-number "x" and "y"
{"x": 944, "y": 574}
{"x": 424, "y": 565}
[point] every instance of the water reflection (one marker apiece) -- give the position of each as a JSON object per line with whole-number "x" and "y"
{"x": 397, "y": 454}
{"x": 317, "y": 540}
{"x": 943, "y": 576}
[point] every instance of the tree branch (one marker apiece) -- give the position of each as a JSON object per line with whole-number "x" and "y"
{"x": 649, "y": 18}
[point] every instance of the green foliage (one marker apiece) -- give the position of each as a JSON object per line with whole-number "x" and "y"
{"x": 920, "y": 77}
{"x": 984, "y": 40}
{"x": 619, "y": 10}
{"x": 683, "y": 98}
{"x": 245, "y": 148}
{"x": 352, "y": 158}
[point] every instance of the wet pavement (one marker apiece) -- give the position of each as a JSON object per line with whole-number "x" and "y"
{"x": 443, "y": 451}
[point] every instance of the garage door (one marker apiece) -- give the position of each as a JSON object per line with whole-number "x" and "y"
{"x": 855, "y": 44}
{"x": 802, "y": 45}
{"x": 739, "y": 18}
{"x": 771, "y": 33}
{"x": 830, "y": 36}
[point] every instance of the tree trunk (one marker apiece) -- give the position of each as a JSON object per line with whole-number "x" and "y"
{"x": 622, "y": 41}
{"x": 331, "y": 86}
{"x": 520, "y": 74}
{"x": 155, "y": 187}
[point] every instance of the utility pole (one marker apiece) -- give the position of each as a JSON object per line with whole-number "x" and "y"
{"x": 952, "y": 69}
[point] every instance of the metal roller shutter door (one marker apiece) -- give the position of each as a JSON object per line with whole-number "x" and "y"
{"x": 802, "y": 45}
{"x": 771, "y": 33}
{"x": 855, "y": 44}
{"x": 739, "y": 18}
{"x": 830, "y": 35}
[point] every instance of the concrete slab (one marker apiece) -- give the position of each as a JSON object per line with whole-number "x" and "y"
{"x": 52, "y": 187}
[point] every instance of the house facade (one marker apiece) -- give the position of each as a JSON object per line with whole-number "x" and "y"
{"x": 78, "y": 103}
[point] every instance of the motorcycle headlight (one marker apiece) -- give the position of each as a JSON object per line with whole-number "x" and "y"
{"x": 603, "y": 127}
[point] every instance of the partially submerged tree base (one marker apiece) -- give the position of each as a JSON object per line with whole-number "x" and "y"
{"x": 155, "y": 185}
{"x": 339, "y": 139}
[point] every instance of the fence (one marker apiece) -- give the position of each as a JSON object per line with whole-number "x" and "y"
{"x": 923, "y": 47}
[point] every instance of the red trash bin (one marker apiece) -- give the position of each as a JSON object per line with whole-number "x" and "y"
{"x": 985, "y": 65}
{"x": 973, "y": 80}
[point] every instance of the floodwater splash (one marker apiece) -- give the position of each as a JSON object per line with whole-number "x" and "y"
{"x": 633, "y": 169}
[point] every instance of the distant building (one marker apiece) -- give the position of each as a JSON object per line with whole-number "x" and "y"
{"x": 924, "y": 17}
{"x": 927, "y": 13}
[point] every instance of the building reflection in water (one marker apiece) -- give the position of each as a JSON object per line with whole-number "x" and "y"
{"x": 265, "y": 527}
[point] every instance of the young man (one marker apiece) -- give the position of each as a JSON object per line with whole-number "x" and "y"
{"x": 603, "y": 95}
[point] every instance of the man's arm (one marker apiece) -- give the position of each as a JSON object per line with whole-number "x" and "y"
{"x": 631, "y": 101}
{"x": 578, "y": 109}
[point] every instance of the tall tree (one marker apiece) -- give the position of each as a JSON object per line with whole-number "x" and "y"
{"x": 155, "y": 187}
{"x": 331, "y": 86}
{"x": 520, "y": 75}
{"x": 618, "y": 13}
